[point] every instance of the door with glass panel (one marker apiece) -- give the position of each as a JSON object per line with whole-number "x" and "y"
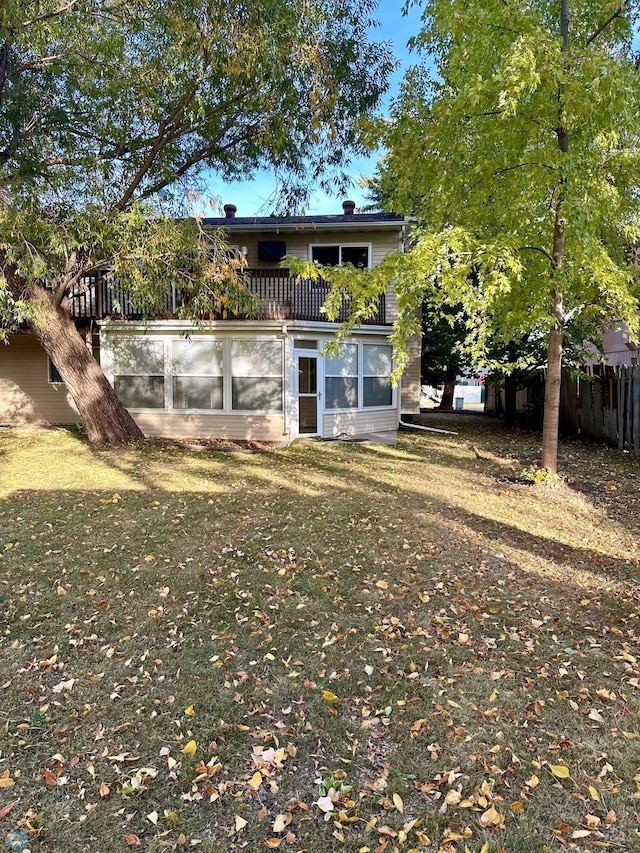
{"x": 308, "y": 395}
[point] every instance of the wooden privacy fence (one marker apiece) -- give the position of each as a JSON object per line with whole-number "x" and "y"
{"x": 605, "y": 407}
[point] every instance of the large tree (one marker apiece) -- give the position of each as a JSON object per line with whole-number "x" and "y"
{"x": 111, "y": 114}
{"x": 515, "y": 142}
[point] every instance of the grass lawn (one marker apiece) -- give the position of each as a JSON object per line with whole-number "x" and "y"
{"x": 328, "y": 647}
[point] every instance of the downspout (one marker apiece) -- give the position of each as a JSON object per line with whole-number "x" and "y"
{"x": 426, "y": 428}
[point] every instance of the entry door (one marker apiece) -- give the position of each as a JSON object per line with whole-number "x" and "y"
{"x": 308, "y": 395}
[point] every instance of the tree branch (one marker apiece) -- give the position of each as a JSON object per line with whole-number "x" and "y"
{"x": 48, "y": 15}
{"x": 537, "y": 249}
{"x": 604, "y": 26}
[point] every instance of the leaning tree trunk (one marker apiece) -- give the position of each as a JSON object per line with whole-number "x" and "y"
{"x": 106, "y": 419}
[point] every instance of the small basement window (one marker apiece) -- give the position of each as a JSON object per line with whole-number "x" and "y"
{"x": 54, "y": 376}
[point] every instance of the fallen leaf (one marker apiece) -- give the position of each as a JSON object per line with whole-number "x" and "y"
{"x": 152, "y": 817}
{"x": 105, "y": 790}
{"x": 6, "y": 782}
{"x": 325, "y": 804}
{"x": 330, "y": 697}
{"x": 491, "y": 818}
{"x": 4, "y": 811}
{"x": 560, "y": 771}
{"x": 256, "y": 780}
{"x": 279, "y": 823}
{"x": 397, "y": 802}
{"x": 273, "y": 842}
{"x": 133, "y": 840}
{"x": 189, "y": 748}
{"x": 240, "y": 823}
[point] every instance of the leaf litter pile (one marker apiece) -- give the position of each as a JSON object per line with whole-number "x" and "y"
{"x": 328, "y": 647}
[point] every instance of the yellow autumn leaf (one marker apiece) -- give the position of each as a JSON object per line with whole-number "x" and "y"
{"x": 189, "y": 712}
{"x": 273, "y": 842}
{"x": 397, "y": 802}
{"x": 6, "y": 782}
{"x": 279, "y": 823}
{"x": 595, "y": 794}
{"x": 560, "y": 771}
{"x": 580, "y": 833}
{"x": 240, "y": 823}
{"x": 423, "y": 839}
{"x": 189, "y": 748}
{"x": 330, "y": 697}
{"x": 256, "y": 780}
{"x": 491, "y": 818}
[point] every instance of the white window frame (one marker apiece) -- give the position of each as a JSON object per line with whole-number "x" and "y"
{"x": 361, "y": 407}
{"x": 340, "y": 247}
{"x": 227, "y": 377}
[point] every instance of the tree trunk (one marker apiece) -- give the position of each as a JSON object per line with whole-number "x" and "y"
{"x": 551, "y": 423}
{"x": 510, "y": 400}
{"x": 449, "y": 387}
{"x": 106, "y": 419}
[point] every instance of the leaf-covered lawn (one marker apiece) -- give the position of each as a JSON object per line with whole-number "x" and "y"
{"x": 329, "y": 647}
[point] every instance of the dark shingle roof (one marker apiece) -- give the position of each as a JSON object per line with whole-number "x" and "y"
{"x": 292, "y": 222}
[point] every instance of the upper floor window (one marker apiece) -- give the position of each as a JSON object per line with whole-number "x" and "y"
{"x": 333, "y": 256}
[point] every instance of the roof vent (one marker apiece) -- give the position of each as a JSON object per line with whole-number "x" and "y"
{"x": 230, "y": 211}
{"x": 348, "y": 207}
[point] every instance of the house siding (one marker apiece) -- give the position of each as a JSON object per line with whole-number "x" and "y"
{"x": 237, "y": 427}
{"x": 382, "y": 244}
{"x": 359, "y": 422}
{"x": 411, "y": 379}
{"x": 26, "y": 395}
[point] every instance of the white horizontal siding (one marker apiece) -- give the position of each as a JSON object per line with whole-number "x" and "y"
{"x": 359, "y": 422}
{"x": 26, "y": 395}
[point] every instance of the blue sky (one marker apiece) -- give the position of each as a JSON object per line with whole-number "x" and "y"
{"x": 250, "y": 197}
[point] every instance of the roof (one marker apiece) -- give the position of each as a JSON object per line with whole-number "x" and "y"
{"x": 370, "y": 221}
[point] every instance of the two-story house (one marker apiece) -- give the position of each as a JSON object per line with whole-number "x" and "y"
{"x": 265, "y": 378}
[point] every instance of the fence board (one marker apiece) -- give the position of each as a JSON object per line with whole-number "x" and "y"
{"x": 607, "y": 406}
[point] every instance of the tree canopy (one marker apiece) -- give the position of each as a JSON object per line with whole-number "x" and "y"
{"x": 113, "y": 112}
{"x": 514, "y": 142}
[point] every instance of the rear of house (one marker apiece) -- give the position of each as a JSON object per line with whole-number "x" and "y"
{"x": 267, "y": 378}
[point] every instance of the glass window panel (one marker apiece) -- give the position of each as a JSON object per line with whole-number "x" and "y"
{"x": 341, "y": 392}
{"x": 197, "y": 392}
{"x": 140, "y": 392}
{"x": 303, "y": 343}
{"x": 376, "y": 391}
{"x": 356, "y": 255}
{"x": 345, "y": 364}
{"x": 197, "y": 358}
{"x": 328, "y": 256}
{"x": 307, "y": 376}
{"x": 135, "y": 356}
{"x": 256, "y": 394}
{"x": 377, "y": 360}
{"x": 256, "y": 358}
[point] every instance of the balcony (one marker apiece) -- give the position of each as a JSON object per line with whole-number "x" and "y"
{"x": 279, "y": 296}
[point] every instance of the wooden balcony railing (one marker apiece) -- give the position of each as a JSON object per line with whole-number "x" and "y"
{"x": 279, "y": 296}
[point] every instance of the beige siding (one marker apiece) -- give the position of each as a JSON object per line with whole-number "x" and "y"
{"x": 358, "y": 423}
{"x": 410, "y": 401}
{"x": 298, "y": 242}
{"x": 26, "y": 395}
{"x": 184, "y": 425}
{"x": 382, "y": 243}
